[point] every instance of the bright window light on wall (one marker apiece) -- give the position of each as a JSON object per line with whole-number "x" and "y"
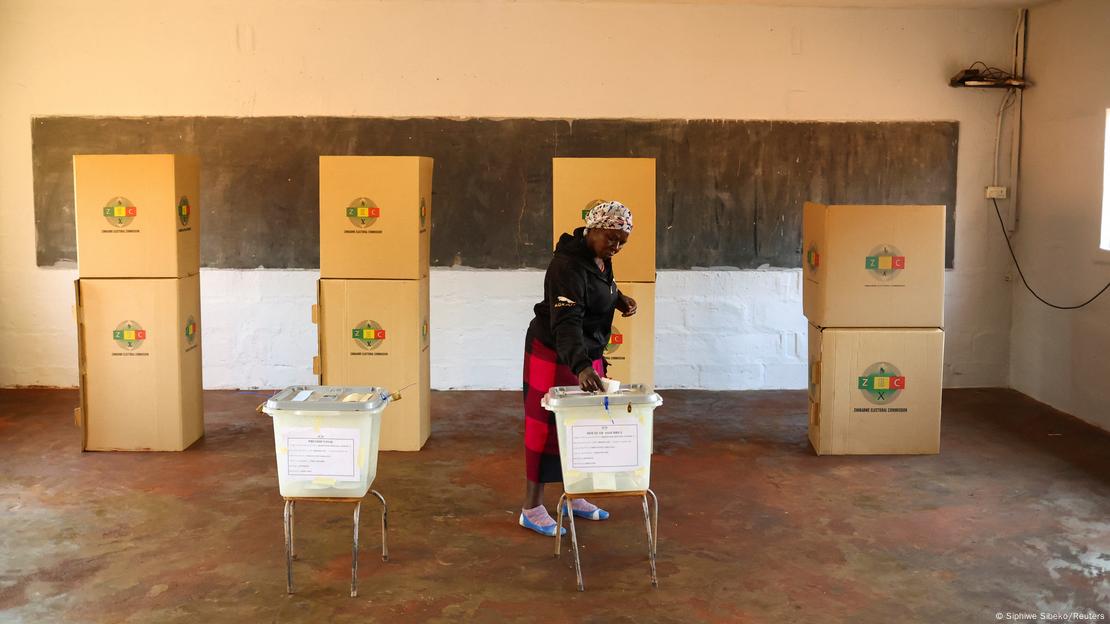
{"x": 1105, "y": 244}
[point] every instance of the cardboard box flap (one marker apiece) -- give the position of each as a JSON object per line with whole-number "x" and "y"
{"x": 879, "y": 390}
{"x": 873, "y": 265}
{"x": 375, "y": 216}
{"x": 376, "y": 332}
{"x": 140, "y": 359}
{"x": 579, "y": 183}
{"x": 630, "y": 354}
{"x": 318, "y": 361}
{"x": 137, "y": 215}
{"x": 81, "y": 411}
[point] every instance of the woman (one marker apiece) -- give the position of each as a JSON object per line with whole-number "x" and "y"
{"x": 564, "y": 346}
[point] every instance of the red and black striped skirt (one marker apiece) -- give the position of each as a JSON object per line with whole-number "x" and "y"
{"x": 542, "y": 371}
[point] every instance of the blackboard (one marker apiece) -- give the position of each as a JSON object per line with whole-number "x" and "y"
{"x": 729, "y": 192}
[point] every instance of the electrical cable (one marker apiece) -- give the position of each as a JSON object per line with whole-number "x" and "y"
{"x": 1007, "y": 101}
{"x": 1017, "y": 69}
{"x": 1023, "y": 280}
{"x": 991, "y": 73}
{"x": 1018, "y": 28}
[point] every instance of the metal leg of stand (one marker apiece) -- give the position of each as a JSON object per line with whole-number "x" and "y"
{"x": 651, "y": 526}
{"x": 559, "y": 525}
{"x": 288, "y": 546}
{"x": 293, "y": 529}
{"x": 650, "y": 540}
{"x": 574, "y": 543}
{"x": 354, "y": 554}
{"x": 385, "y": 524}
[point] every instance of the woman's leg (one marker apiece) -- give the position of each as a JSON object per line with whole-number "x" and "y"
{"x": 533, "y": 495}
{"x": 541, "y": 447}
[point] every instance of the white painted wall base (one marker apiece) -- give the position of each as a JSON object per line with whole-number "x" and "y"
{"x": 715, "y": 330}
{"x": 721, "y": 330}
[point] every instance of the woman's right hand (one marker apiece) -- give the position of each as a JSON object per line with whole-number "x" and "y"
{"x": 590, "y": 381}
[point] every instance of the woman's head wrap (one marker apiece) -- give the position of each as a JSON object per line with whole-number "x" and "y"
{"x": 610, "y": 215}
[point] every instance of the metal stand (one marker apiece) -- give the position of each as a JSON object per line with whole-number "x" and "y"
{"x": 651, "y": 524}
{"x": 290, "y": 554}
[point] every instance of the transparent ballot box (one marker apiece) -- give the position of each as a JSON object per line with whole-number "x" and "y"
{"x": 326, "y": 439}
{"x": 605, "y": 439}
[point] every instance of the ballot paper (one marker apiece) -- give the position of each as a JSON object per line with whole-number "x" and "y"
{"x": 604, "y": 445}
{"x": 325, "y": 453}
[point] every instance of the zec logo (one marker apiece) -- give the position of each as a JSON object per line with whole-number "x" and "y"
{"x": 616, "y": 339}
{"x": 885, "y": 262}
{"x": 362, "y": 212}
{"x": 129, "y": 335}
{"x": 119, "y": 212}
{"x": 590, "y": 206}
{"x": 813, "y": 259}
{"x": 191, "y": 330}
{"x": 881, "y": 383}
{"x": 369, "y": 335}
{"x": 183, "y": 210}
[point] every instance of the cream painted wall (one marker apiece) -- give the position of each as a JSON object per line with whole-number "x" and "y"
{"x": 502, "y": 59}
{"x": 1059, "y": 357}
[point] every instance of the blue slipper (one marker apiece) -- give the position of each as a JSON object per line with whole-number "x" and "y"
{"x": 548, "y": 530}
{"x": 597, "y": 514}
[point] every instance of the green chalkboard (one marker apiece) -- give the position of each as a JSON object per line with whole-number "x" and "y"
{"x": 729, "y": 192}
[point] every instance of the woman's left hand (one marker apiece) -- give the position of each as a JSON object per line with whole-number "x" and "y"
{"x": 627, "y": 305}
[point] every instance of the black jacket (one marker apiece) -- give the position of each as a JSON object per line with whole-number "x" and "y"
{"x": 576, "y": 314}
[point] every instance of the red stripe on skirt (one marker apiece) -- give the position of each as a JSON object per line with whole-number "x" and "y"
{"x": 542, "y": 371}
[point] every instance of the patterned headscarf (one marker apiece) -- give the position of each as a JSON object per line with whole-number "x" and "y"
{"x": 610, "y": 215}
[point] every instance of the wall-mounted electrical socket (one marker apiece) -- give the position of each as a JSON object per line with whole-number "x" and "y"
{"x": 996, "y": 192}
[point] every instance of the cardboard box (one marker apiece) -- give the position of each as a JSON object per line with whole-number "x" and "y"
{"x": 873, "y": 266}
{"x": 631, "y": 349}
{"x": 138, "y": 215}
{"x": 139, "y": 345}
{"x": 875, "y": 391}
{"x": 375, "y": 217}
{"x": 376, "y": 333}
{"x": 579, "y": 183}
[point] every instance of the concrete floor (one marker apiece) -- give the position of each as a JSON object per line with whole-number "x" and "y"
{"x": 1013, "y": 516}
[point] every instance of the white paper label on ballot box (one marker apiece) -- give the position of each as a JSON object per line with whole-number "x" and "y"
{"x": 604, "y": 445}
{"x": 325, "y": 453}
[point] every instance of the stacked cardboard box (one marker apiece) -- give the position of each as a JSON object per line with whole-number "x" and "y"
{"x": 372, "y": 300}
{"x": 578, "y": 184}
{"x": 138, "y": 301}
{"x": 873, "y": 292}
